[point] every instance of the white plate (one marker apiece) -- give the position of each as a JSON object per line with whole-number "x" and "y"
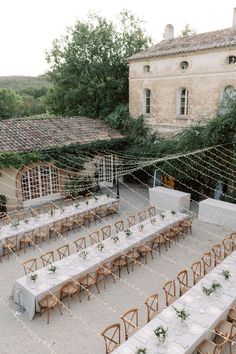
{"x": 195, "y": 328}
{"x": 202, "y": 310}
{"x": 173, "y": 349}
{"x": 168, "y": 313}
{"x": 213, "y": 310}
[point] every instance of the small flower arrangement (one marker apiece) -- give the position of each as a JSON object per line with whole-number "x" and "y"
{"x": 226, "y": 274}
{"x": 77, "y": 205}
{"x": 52, "y": 269}
{"x": 161, "y": 333}
{"x": 141, "y": 227}
{"x": 162, "y": 216}
{"x": 128, "y": 232}
{"x": 26, "y": 221}
{"x": 83, "y": 254}
{"x": 182, "y": 314}
{"x": 173, "y": 212}
{"x": 15, "y": 224}
{"x": 212, "y": 289}
{"x": 33, "y": 277}
{"x": 52, "y": 212}
{"x": 115, "y": 238}
{"x": 100, "y": 246}
{"x": 141, "y": 350}
{"x": 86, "y": 202}
{"x": 153, "y": 221}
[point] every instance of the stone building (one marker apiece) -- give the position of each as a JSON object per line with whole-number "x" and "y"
{"x": 43, "y": 181}
{"x": 182, "y": 80}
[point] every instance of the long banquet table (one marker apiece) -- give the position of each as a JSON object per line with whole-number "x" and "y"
{"x": 75, "y": 266}
{"x": 47, "y": 219}
{"x": 205, "y": 312}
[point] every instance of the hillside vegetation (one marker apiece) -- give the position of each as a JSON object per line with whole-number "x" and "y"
{"x": 19, "y": 83}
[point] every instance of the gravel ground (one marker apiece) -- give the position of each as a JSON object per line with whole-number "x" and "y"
{"x": 79, "y": 333}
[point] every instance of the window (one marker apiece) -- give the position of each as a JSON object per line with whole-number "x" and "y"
{"x": 147, "y": 98}
{"x": 146, "y": 68}
{"x": 231, "y": 59}
{"x": 39, "y": 181}
{"x": 229, "y": 92}
{"x": 182, "y": 102}
{"x": 184, "y": 65}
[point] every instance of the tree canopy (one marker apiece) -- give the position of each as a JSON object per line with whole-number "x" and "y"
{"x": 10, "y": 103}
{"x": 187, "y": 30}
{"x": 89, "y": 71}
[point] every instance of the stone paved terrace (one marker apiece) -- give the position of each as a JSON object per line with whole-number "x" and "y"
{"x": 68, "y": 335}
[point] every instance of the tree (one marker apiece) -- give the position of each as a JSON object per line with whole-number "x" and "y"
{"x": 89, "y": 71}
{"x": 10, "y": 103}
{"x": 187, "y": 31}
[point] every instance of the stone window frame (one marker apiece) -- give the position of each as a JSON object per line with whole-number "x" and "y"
{"x": 144, "y": 102}
{"x": 147, "y": 68}
{"x": 227, "y": 59}
{"x": 179, "y": 97}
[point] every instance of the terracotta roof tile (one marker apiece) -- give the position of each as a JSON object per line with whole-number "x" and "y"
{"x": 203, "y": 41}
{"x": 38, "y": 134}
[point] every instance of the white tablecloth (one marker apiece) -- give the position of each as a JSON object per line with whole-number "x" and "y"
{"x": 205, "y": 312}
{"x": 217, "y": 212}
{"x": 75, "y": 266}
{"x": 47, "y": 219}
{"x": 169, "y": 199}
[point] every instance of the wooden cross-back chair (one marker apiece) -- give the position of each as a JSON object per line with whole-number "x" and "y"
{"x": 183, "y": 282}
{"x": 89, "y": 217}
{"x": 228, "y": 246}
{"x": 217, "y": 253}
{"x": 152, "y": 212}
{"x": 131, "y": 220}
{"x": 146, "y": 249}
{"x": 152, "y": 304}
{"x": 102, "y": 212}
{"x": 207, "y": 262}
{"x": 187, "y": 224}
{"x": 114, "y": 208}
{"x": 49, "y": 301}
{"x": 159, "y": 241}
{"x": 56, "y": 229}
{"x": 79, "y": 220}
{"x": 27, "y": 240}
{"x": 6, "y": 219}
{"x": 133, "y": 257}
{"x": 119, "y": 263}
{"x": 94, "y": 237}
{"x": 10, "y": 245}
{"x": 119, "y": 225}
{"x": 142, "y": 215}
{"x": 68, "y": 224}
{"x": 196, "y": 271}
{"x": 21, "y": 215}
{"x": 41, "y": 234}
{"x": 63, "y": 251}
{"x": 130, "y": 320}
{"x": 87, "y": 282}
{"x": 47, "y": 258}
{"x": 175, "y": 231}
{"x": 170, "y": 292}
{"x": 233, "y": 238}
{"x": 226, "y": 330}
{"x": 111, "y": 336}
{"x": 69, "y": 289}
{"x": 209, "y": 347}
{"x": 106, "y": 232}
{"x": 104, "y": 270}
{"x": 30, "y": 266}
{"x": 80, "y": 244}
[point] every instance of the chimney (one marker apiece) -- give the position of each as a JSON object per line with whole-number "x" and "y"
{"x": 169, "y": 32}
{"x": 234, "y": 18}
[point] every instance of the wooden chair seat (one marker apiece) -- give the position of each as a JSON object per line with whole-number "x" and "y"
{"x": 51, "y": 301}
{"x": 226, "y": 329}
{"x": 207, "y": 347}
{"x": 232, "y": 315}
{"x": 133, "y": 256}
{"x": 120, "y": 262}
{"x": 70, "y": 289}
{"x": 9, "y": 244}
{"x": 105, "y": 270}
{"x": 146, "y": 249}
{"x": 87, "y": 282}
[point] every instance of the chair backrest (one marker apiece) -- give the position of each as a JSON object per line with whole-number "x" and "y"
{"x": 217, "y": 252}
{"x": 152, "y": 303}
{"x": 131, "y": 220}
{"x": 152, "y": 212}
{"x": 30, "y": 266}
{"x": 28, "y": 235}
{"x": 12, "y": 240}
{"x": 94, "y": 237}
{"x": 63, "y": 251}
{"x": 207, "y": 262}
{"x": 142, "y": 215}
{"x": 80, "y": 244}
{"x": 111, "y": 336}
{"x": 233, "y": 237}
{"x": 55, "y": 296}
{"x": 183, "y": 281}
{"x": 130, "y": 320}
{"x": 87, "y": 280}
{"x": 228, "y": 246}
{"x": 197, "y": 271}
{"x": 115, "y": 206}
{"x": 21, "y": 215}
{"x": 47, "y": 258}
{"x": 170, "y": 292}
{"x": 57, "y": 226}
{"x": 6, "y": 219}
{"x": 43, "y": 231}
{"x": 69, "y": 221}
{"x": 106, "y": 232}
{"x": 119, "y": 225}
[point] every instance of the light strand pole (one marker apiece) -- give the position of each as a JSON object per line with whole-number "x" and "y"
{"x": 117, "y": 180}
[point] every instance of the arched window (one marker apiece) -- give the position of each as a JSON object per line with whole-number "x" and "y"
{"x": 147, "y": 101}
{"x": 39, "y": 181}
{"x": 182, "y": 102}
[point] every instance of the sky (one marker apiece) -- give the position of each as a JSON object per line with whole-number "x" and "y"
{"x": 28, "y": 27}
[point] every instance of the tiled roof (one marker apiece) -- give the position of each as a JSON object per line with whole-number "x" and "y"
{"x": 197, "y": 42}
{"x": 38, "y": 134}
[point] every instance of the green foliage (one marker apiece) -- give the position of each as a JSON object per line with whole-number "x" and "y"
{"x": 3, "y": 200}
{"x": 10, "y": 103}
{"x": 21, "y": 83}
{"x": 187, "y": 30}
{"x": 89, "y": 71}
{"x": 75, "y": 186}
